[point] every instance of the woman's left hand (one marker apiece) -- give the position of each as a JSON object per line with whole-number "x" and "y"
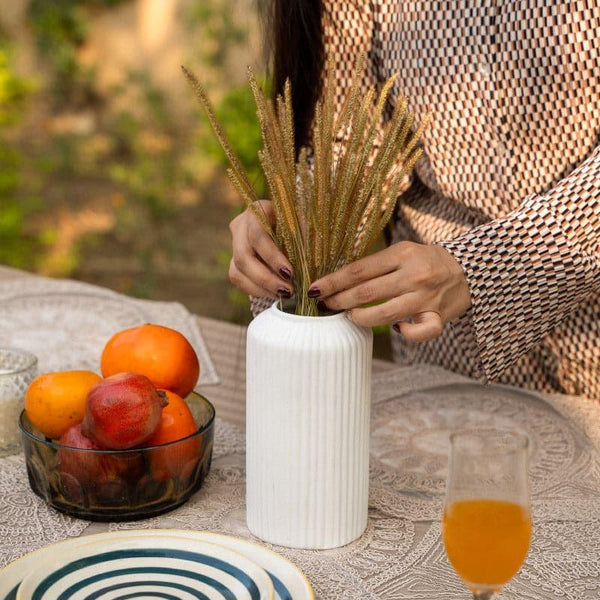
{"x": 422, "y": 288}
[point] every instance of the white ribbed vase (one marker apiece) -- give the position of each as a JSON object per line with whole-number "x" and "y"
{"x": 307, "y": 427}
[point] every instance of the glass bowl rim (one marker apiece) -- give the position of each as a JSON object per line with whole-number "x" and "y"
{"x": 31, "y": 362}
{"x": 56, "y": 446}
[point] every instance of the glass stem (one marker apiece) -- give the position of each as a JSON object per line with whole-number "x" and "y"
{"x": 484, "y": 595}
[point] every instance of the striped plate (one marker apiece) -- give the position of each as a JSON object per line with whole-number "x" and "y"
{"x": 168, "y": 568}
{"x": 289, "y": 582}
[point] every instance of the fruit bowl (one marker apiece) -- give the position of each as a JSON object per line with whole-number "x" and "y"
{"x": 120, "y": 485}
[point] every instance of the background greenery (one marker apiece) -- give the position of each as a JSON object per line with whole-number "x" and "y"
{"x": 117, "y": 180}
{"x": 108, "y": 171}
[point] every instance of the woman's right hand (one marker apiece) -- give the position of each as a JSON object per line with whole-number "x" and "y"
{"x": 258, "y": 267}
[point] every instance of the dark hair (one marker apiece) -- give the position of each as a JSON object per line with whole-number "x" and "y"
{"x": 297, "y": 53}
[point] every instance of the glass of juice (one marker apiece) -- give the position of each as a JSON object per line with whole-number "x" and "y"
{"x": 487, "y": 517}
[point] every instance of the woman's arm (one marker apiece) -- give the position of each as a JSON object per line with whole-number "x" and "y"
{"x": 530, "y": 269}
{"x": 524, "y": 273}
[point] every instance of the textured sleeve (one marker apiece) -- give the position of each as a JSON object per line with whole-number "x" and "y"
{"x": 348, "y": 33}
{"x": 350, "y": 30}
{"x": 528, "y": 270}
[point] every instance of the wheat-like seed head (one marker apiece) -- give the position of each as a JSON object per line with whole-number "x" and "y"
{"x": 329, "y": 206}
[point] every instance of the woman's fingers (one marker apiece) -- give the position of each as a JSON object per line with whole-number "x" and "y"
{"x": 422, "y": 327}
{"x": 261, "y": 242}
{"x": 425, "y": 283}
{"x": 257, "y": 263}
{"x": 247, "y": 285}
{"x": 374, "y": 290}
{"x": 257, "y": 272}
{"x": 422, "y": 282}
{"x": 391, "y": 311}
{"x": 351, "y": 275}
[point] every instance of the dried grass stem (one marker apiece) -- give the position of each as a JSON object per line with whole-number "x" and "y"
{"x": 328, "y": 215}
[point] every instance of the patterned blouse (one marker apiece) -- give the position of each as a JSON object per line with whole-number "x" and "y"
{"x": 510, "y": 180}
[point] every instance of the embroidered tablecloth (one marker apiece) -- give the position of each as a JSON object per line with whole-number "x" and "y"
{"x": 400, "y": 556}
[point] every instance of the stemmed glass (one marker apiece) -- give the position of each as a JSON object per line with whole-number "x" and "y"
{"x": 487, "y": 516}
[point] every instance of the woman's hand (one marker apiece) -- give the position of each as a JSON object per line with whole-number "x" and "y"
{"x": 422, "y": 288}
{"x": 258, "y": 267}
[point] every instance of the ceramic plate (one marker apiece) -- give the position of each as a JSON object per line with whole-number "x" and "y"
{"x": 142, "y": 567}
{"x": 288, "y": 580}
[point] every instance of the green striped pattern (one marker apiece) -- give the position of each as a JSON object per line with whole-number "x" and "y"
{"x": 149, "y": 573}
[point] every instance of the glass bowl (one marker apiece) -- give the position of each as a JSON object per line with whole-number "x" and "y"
{"x": 120, "y": 485}
{"x": 18, "y": 368}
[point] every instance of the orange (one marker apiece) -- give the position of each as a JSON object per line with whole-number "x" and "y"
{"x": 160, "y": 353}
{"x": 56, "y": 401}
{"x": 177, "y": 422}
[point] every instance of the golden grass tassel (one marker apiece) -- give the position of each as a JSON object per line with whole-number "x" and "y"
{"x": 329, "y": 206}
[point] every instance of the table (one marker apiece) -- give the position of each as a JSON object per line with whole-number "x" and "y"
{"x": 400, "y": 555}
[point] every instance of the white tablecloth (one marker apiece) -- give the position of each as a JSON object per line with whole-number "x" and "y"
{"x": 400, "y": 556}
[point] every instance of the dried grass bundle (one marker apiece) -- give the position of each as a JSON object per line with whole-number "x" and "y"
{"x": 330, "y": 214}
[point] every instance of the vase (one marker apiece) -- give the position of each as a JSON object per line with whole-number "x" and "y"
{"x": 308, "y": 402}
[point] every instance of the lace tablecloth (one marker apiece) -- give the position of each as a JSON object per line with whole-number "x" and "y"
{"x": 400, "y": 556}
{"x": 66, "y": 323}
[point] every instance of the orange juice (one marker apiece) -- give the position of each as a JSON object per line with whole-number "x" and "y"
{"x": 486, "y": 540}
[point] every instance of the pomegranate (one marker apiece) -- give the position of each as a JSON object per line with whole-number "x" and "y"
{"x": 122, "y": 411}
{"x": 85, "y": 472}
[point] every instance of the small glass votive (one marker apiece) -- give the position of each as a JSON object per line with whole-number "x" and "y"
{"x": 18, "y": 368}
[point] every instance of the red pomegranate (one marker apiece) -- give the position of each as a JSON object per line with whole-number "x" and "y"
{"x": 122, "y": 411}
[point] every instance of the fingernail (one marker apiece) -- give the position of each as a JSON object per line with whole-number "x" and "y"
{"x": 321, "y": 305}
{"x": 396, "y": 327}
{"x": 285, "y": 273}
{"x": 314, "y": 292}
{"x": 348, "y": 314}
{"x": 284, "y": 293}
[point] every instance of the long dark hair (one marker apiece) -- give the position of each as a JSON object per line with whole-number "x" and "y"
{"x": 297, "y": 53}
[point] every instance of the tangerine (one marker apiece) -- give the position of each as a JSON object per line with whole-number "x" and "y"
{"x": 177, "y": 422}
{"x": 54, "y": 402}
{"x": 160, "y": 353}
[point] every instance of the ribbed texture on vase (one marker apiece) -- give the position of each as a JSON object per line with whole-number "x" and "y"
{"x": 307, "y": 411}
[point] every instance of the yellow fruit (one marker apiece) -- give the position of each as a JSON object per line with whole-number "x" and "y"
{"x": 56, "y": 401}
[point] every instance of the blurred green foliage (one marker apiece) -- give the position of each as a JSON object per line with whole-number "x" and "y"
{"x": 220, "y": 30}
{"x": 146, "y": 160}
{"x": 237, "y": 113}
{"x": 65, "y": 141}
{"x": 13, "y": 89}
{"x": 235, "y": 109}
{"x": 60, "y": 28}
{"x": 17, "y": 246}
